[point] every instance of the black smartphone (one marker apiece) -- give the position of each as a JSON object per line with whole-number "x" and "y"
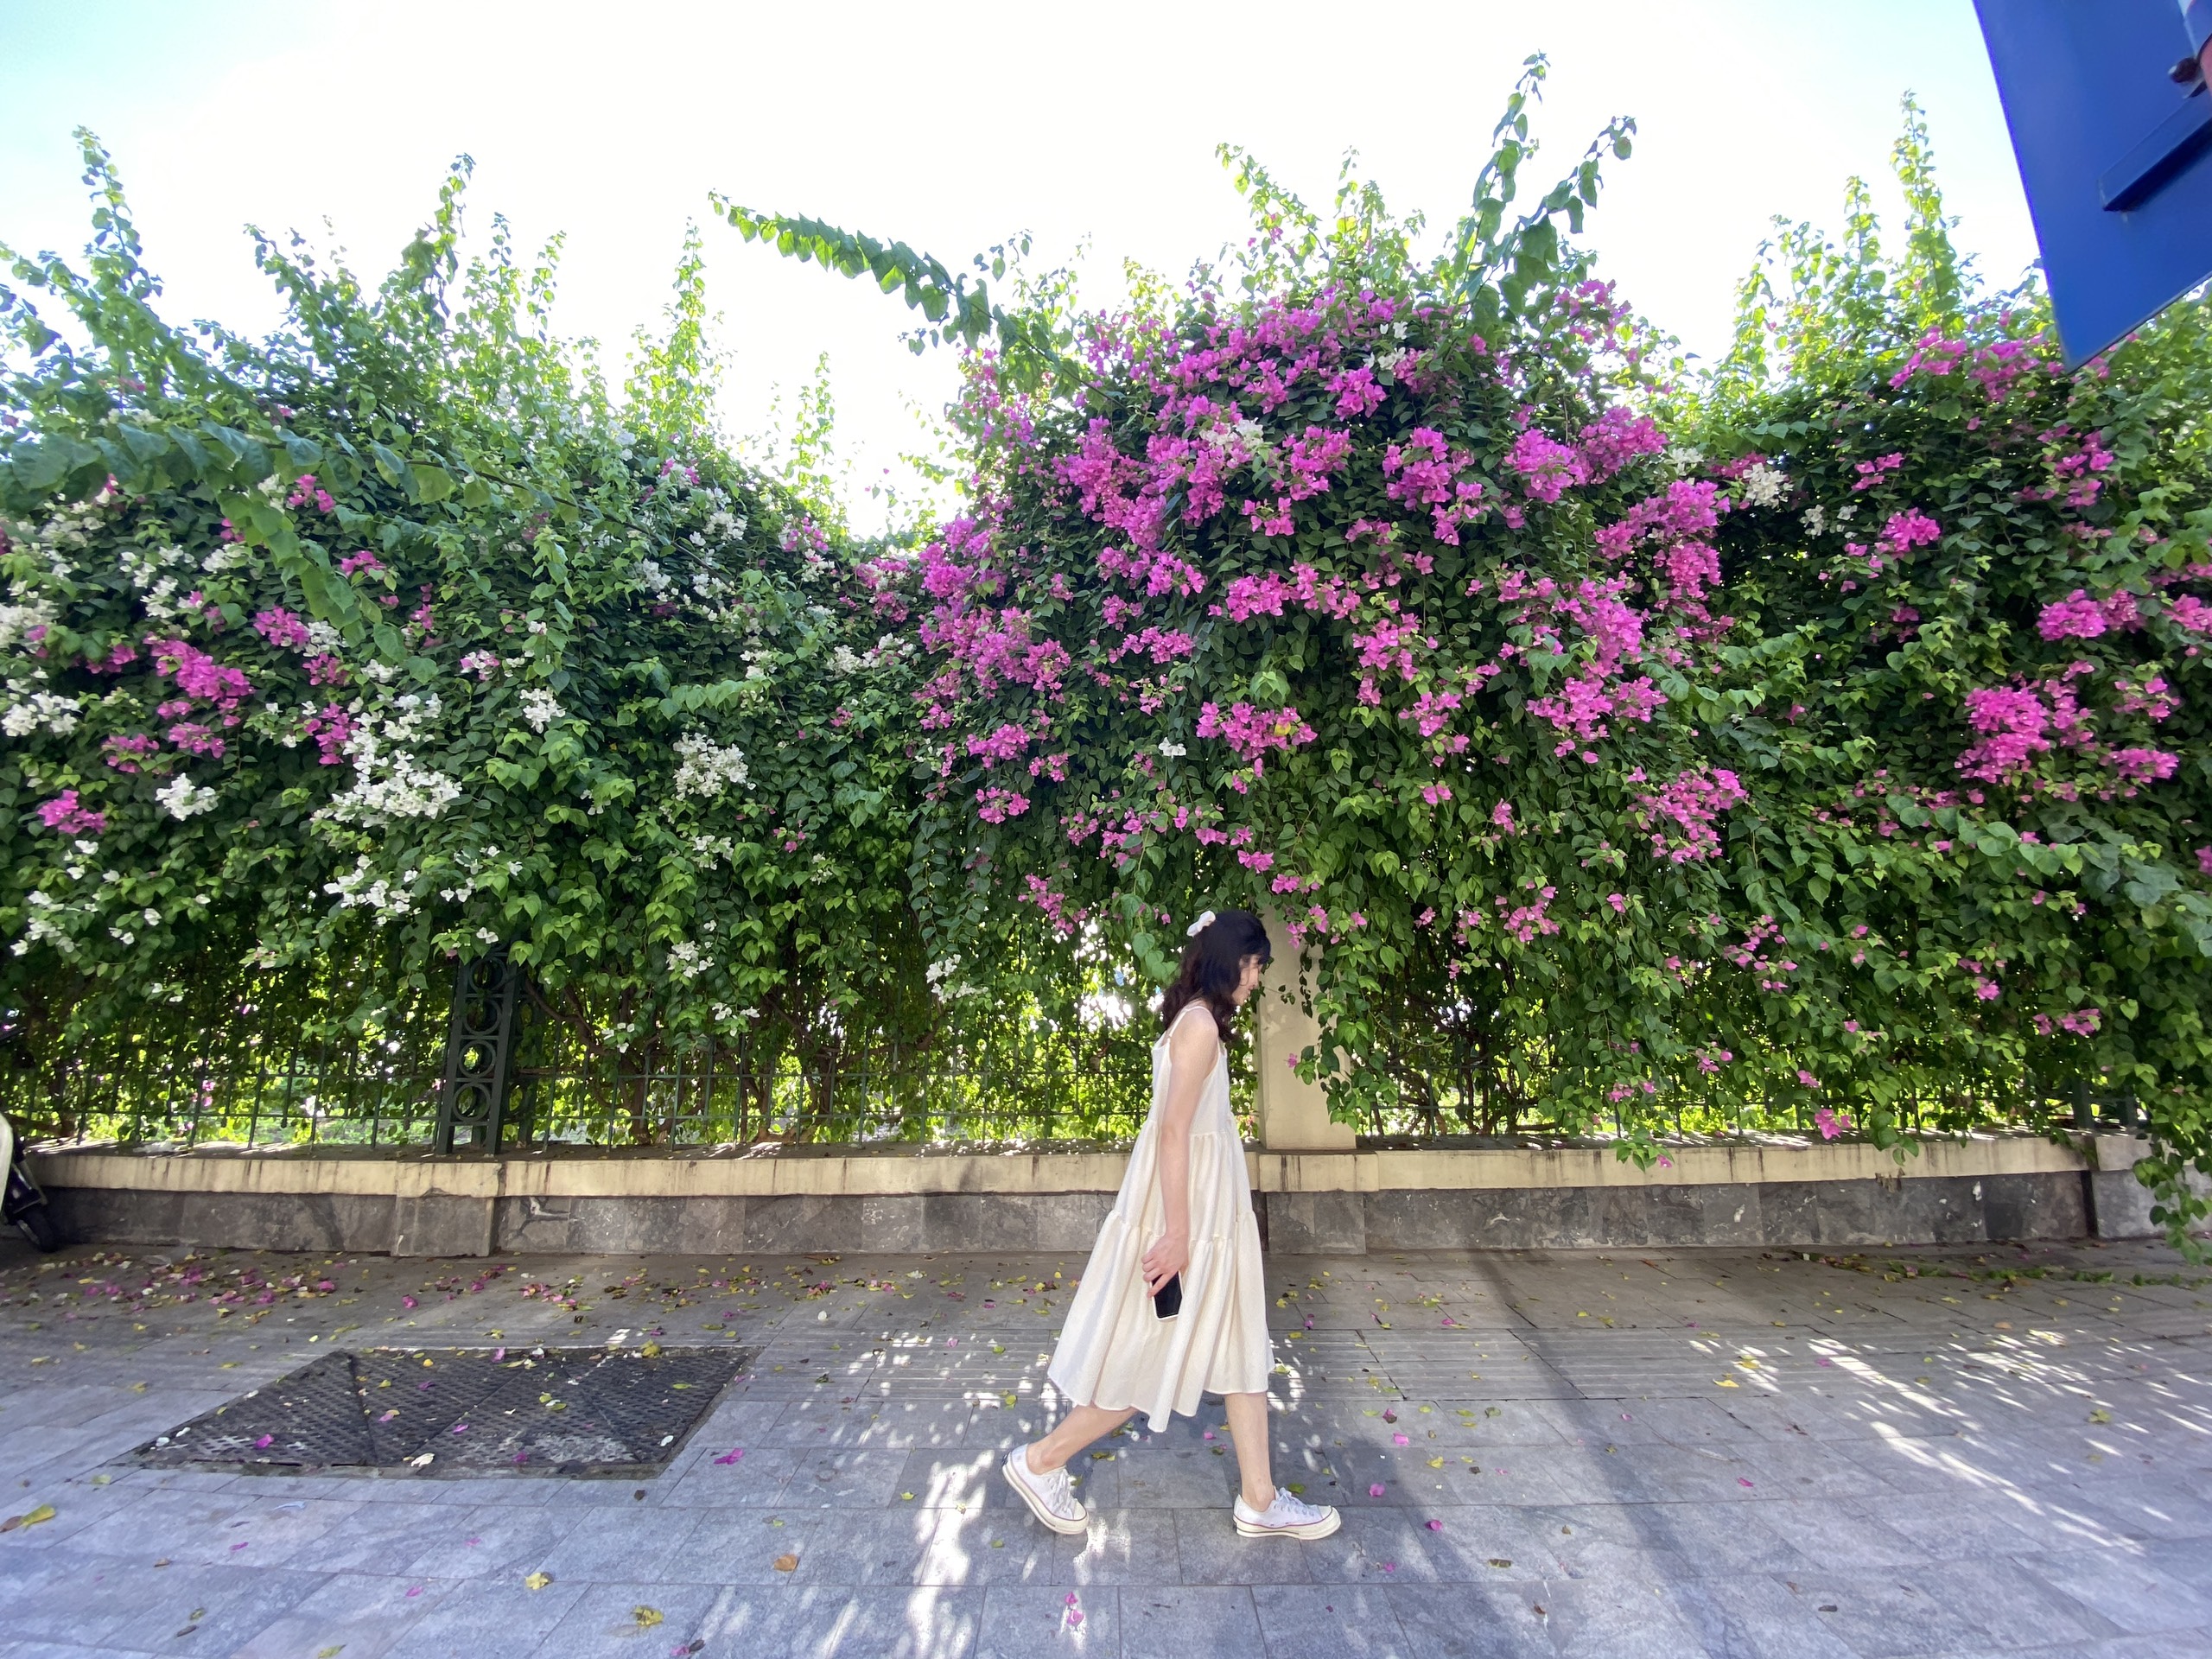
{"x": 1167, "y": 1300}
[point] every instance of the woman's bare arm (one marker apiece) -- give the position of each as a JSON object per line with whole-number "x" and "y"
{"x": 1192, "y": 1052}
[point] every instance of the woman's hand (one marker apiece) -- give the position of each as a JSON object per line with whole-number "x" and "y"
{"x": 1164, "y": 1260}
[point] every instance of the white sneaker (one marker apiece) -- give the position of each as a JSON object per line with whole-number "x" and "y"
{"x": 1286, "y": 1517}
{"x": 1050, "y": 1497}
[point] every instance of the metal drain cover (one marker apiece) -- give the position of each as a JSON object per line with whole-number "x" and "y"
{"x": 447, "y": 1411}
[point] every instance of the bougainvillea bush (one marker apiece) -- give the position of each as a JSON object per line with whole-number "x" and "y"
{"x": 1818, "y": 738}
{"x": 393, "y": 641}
{"x": 1974, "y": 589}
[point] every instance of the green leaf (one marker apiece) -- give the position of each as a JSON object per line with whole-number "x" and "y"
{"x": 2147, "y": 883}
{"x": 250, "y": 455}
{"x": 393, "y": 469}
{"x": 37, "y": 467}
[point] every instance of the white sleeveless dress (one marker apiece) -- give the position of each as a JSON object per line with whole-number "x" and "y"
{"x": 1112, "y": 1351}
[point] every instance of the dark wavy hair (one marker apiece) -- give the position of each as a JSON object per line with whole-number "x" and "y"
{"x": 1212, "y": 964}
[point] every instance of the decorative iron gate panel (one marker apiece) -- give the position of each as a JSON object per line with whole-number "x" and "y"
{"x": 480, "y": 1054}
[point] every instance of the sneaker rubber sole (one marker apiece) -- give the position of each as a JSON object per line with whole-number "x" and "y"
{"x": 1312, "y": 1529}
{"x": 1057, "y": 1523}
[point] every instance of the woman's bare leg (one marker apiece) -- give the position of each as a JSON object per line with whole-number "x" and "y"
{"x": 1076, "y": 1430}
{"x": 1248, "y": 1427}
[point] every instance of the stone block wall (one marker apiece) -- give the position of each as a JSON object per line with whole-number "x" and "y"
{"x": 1939, "y": 1210}
{"x": 1844, "y": 1214}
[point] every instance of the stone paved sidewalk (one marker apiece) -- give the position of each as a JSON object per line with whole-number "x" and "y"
{"x": 1932, "y": 1452}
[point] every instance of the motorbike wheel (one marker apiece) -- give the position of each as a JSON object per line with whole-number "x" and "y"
{"x": 38, "y": 1226}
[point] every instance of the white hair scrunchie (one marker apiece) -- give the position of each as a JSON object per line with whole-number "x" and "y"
{"x": 1199, "y": 926}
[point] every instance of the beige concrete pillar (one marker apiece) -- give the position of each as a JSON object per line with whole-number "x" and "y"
{"x": 1293, "y": 1114}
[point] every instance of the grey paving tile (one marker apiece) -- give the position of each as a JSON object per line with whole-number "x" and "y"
{"x": 1879, "y": 1615}
{"x": 1023, "y": 1621}
{"x": 1751, "y": 1617}
{"x": 760, "y": 1478}
{"x": 1210, "y": 1551}
{"x": 2153, "y": 1508}
{"x": 1619, "y": 1616}
{"x": 1341, "y": 1621}
{"x": 73, "y": 1597}
{"x": 2177, "y": 1644}
{"x": 2135, "y": 1595}
{"x": 611, "y": 1545}
{"x": 829, "y": 1477}
{"x": 630, "y": 1621}
{"x": 229, "y": 1605}
{"x": 1492, "y": 1621}
{"x": 1378, "y": 1546}
{"x": 2007, "y": 1604}
{"x": 922, "y": 1622}
{"x": 734, "y": 1546}
{"x": 1842, "y": 1537}
{"x": 77, "y": 1506}
{"x": 488, "y": 1620}
{"x": 991, "y": 1546}
{"x": 868, "y": 1546}
{"x": 896, "y": 1421}
{"x": 1174, "y": 1622}
{"x": 364, "y": 1614}
{"x": 489, "y": 1540}
{"x": 1718, "y": 1538}
{"x": 376, "y": 1538}
{"x": 944, "y": 1475}
{"x": 1128, "y": 1547}
{"x": 168, "y": 1521}
{"x": 1950, "y": 1528}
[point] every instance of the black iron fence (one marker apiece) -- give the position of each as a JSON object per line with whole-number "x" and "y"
{"x": 286, "y": 1071}
{"x": 265, "y": 1083}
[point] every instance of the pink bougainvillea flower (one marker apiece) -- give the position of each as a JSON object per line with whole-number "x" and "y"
{"x": 1374, "y": 1490}
{"x": 65, "y": 816}
{"x": 731, "y": 1455}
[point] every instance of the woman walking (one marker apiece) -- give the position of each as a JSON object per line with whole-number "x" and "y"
{"x": 1174, "y": 1303}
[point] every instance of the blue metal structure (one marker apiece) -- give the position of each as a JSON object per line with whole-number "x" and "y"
{"x": 2112, "y": 121}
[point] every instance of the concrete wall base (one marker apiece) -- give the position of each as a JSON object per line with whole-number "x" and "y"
{"x": 1848, "y": 1213}
{"x": 1939, "y": 1210}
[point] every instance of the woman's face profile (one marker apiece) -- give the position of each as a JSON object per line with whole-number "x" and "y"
{"x": 1248, "y": 980}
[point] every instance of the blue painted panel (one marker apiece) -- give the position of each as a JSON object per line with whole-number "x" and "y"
{"x": 2116, "y": 156}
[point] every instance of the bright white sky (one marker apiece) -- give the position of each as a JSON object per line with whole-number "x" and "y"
{"x": 952, "y": 128}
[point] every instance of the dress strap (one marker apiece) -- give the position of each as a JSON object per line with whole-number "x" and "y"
{"x": 1187, "y": 1007}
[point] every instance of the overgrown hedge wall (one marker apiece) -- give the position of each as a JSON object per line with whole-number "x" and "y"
{"x": 1816, "y": 737}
